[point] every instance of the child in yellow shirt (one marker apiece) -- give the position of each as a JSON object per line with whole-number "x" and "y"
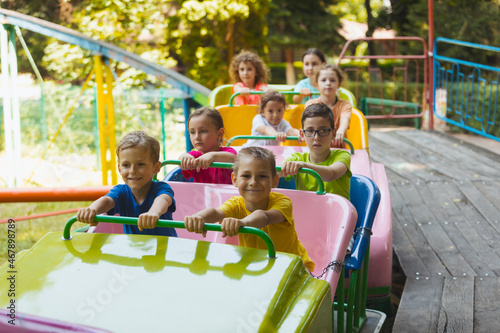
{"x": 255, "y": 175}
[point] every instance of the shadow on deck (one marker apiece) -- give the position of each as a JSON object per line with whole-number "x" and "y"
{"x": 446, "y": 230}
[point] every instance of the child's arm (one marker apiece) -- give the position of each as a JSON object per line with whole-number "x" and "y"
{"x": 343, "y": 126}
{"x": 270, "y": 131}
{"x": 295, "y": 132}
{"x": 160, "y": 205}
{"x": 257, "y": 219}
{"x": 326, "y": 172}
{"x": 101, "y": 205}
{"x": 243, "y": 90}
{"x": 204, "y": 160}
{"x": 195, "y": 222}
{"x": 304, "y": 92}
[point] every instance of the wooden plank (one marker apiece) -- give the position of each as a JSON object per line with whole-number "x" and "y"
{"x": 420, "y": 152}
{"x": 427, "y": 255}
{"x": 438, "y": 239}
{"x": 457, "y": 305}
{"x": 407, "y": 255}
{"x": 471, "y": 157}
{"x": 490, "y": 189}
{"x": 401, "y": 157}
{"x": 444, "y": 209}
{"x": 486, "y": 305}
{"x": 419, "y": 307}
{"x": 487, "y": 209}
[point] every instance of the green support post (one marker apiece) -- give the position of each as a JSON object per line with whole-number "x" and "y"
{"x": 163, "y": 111}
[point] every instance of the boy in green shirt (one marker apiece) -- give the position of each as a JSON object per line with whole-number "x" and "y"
{"x": 332, "y": 165}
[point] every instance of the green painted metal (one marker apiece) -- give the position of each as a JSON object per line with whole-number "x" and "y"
{"x": 140, "y": 283}
{"x": 173, "y": 224}
{"x": 163, "y": 112}
{"x": 367, "y": 101}
{"x": 265, "y": 137}
{"x": 231, "y": 99}
{"x": 321, "y": 185}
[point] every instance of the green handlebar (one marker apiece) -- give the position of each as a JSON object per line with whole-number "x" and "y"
{"x": 321, "y": 185}
{"x": 173, "y": 224}
{"x": 260, "y": 93}
{"x": 264, "y": 137}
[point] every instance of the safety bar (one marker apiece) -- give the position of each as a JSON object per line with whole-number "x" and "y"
{"x": 173, "y": 224}
{"x": 321, "y": 185}
{"x": 265, "y": 137}
{"x": 261, "y": 92}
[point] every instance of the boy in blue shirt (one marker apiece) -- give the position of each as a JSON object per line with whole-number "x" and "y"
{"x": 138, "y": 160}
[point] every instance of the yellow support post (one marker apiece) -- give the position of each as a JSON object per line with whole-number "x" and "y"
{"x": 106, "y": 121}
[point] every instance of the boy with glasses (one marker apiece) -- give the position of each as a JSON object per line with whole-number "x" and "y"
{"x": 333, "y": 166}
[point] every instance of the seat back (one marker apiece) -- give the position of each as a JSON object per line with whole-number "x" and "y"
{"x": 365, "y": 196}
{"x": 238, "y": 120}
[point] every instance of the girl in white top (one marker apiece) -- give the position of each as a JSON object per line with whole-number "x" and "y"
{"x": 270, "y": 122}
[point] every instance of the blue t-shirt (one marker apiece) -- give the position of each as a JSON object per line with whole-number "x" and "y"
{"x": 125, "y": 205}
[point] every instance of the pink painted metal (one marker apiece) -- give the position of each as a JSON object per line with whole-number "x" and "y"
{"x": 324, "y": 223}
{"x": 380, "y": 267}
{"x": 424, "y": 57}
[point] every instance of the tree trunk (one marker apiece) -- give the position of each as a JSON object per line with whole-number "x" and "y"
{"x": 369, "y": 32}
{"x": 290, "y": 71}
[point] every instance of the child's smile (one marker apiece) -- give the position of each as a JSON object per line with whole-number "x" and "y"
{"x": 137, "y": 170}
{"x": 254, "y": 182}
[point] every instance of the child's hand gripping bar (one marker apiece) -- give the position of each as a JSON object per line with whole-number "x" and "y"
{"x": 173, "y": 224}
{"x": 265, "y": 137}
{"x": 321, "y": 185}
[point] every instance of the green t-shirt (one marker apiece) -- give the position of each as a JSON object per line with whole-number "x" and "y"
{"x": 340, "y": 186}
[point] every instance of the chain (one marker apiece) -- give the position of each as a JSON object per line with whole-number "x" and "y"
{"x": 336, "y": 265}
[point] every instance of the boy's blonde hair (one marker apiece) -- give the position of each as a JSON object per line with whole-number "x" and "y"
{"x": 139, "y": 139}
{"x": 262, "y": 74}
{"x": 256, "y": 152}
{"x": 271, "y": 95}
{"x": 334, "y": 68}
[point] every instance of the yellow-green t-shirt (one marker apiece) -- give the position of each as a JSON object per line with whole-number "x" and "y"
{"x": 340, "y": 186}
{"x": 282, "y": 234}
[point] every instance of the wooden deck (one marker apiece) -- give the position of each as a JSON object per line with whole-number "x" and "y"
{"x": 446, "y": 230}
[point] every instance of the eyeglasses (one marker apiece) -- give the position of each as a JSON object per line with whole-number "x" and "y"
{"x": 321, "y": 132}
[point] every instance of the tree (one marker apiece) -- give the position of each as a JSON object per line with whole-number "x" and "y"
{"x": 296, "y": 23}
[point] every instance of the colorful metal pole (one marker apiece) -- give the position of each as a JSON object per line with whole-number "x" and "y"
{"x": 96, "y": 130}
{"x": 431, "y": 64}
{"x": 107, "y": 133}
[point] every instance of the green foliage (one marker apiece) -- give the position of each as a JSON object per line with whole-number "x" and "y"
{"x": 306, "y": 24}
{"x": 205, "y": 35}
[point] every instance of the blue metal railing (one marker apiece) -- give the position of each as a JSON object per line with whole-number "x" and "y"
{"x": 466, "y": 94}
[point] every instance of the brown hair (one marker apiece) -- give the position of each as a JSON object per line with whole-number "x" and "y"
{"x": 318, "y": 110}
{"x": 211, "y": 113}
{"x": 256, "y": 152}
{"x": 139, "y": 139}
{"x": 334, "y": 68}
{"x": 262, "y": 71}
{"x": 271, "y": 95}
{"x": 315, "y": 52}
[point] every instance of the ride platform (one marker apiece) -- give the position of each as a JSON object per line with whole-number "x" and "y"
{"x": 446, "y": 225}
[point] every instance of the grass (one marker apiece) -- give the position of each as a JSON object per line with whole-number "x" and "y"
{"x": 28, "y": 232}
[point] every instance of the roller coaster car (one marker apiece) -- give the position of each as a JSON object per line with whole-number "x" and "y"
{"x": 238, "y": 121}
{"x": 138, "y": 283}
